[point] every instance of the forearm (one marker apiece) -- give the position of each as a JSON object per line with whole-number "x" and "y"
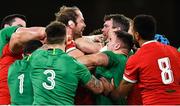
{"x": 31, "y": 33}
{"x": 87, "y": 46}
{"x": 19, "y": 39}
{"x": 95, "y": 85}
{"x": 31, "y": 29}
{"x": 87, "y": 60}
{"x": 122, "y": 91}
{"x": 95, "y": 38}
{"x": 76, "y": 53}
{"x": 98, "y": 59}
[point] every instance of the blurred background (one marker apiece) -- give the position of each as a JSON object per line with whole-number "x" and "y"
{"x": 41, "y": 12}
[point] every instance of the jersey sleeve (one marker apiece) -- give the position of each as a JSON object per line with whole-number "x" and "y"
{"x": 10, "y": 30}
{"x": 111, "y": 58}
{"x": 7, "y": 51}
{"x": 131, "y": 70}
{"x": 5, "y": 35}
{"x": 83, "y": 73}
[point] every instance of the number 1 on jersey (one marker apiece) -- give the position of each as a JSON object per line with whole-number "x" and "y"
{"x": 21, "y": 81}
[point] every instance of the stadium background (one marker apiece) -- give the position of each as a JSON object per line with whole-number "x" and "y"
{"x": 41, "y": 12}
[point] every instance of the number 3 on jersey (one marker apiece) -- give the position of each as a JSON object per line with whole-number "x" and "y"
{"x": 51, "y": 79}
{"x": 166, "y": 72}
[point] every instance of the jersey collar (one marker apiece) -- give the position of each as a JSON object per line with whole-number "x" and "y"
{"x": 149, "y": 42}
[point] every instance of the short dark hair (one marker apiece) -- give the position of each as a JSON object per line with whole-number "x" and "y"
{"x": 145, "y": 25}
{"x": 126, "y": 38}
{"x": 31, "y": 46}
{"x": 67, "y": 13}
{"x": 119, "y": 20}
{"x": 11, "y": 18}
{"x": 56, "y": 32}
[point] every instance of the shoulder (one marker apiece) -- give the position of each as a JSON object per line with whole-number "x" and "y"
{"x": 112, "y": 54}
{"x": 21, "y": 62}
{"x": 17, "y": 66}
{"x": 38, "y": 52}
{"x": 37, "y": 55}
{"x": 75, "y": 63}
{"x": 133, "y": 59}
{"x": 9, "y": 29}
{"x": 115, "y": 56}
{"x": 108, "y": 52}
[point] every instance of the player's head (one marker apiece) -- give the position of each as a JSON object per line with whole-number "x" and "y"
{"x": 14, "y": 20}
{"x": 120, "y": 40}
{"x": 66, "y": 14}
{"x": 56, "y": 32}
{"x": 145, "y": 27}
{"x": 130, "y": 30}
{"x": 115, "y": 21}
{"x": 72, "y": 18}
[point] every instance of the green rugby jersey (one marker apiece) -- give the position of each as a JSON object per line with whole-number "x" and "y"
{"x": 179, "y": 49}
{"x": 115, "y": 70}
{"x": 19, "y": 82}
{"x": 5, "y": 35}
{"x": 55, "y": 77}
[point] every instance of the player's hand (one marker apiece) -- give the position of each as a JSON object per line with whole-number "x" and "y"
{"x": 108, "y": 87}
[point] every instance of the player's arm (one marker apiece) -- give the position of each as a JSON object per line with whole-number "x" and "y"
{"x": 23, "y": 35}
{"x": 33, "y": 29}
{"x": 95, "y": 38}
{"x": 71, "y": 48}
{"x": 121, "y": 91}
{"x": 88, "y": 46}
{"x": 95, "y": 85}
{"x": 75, "y": 53}
{"x": 98, "y": 59}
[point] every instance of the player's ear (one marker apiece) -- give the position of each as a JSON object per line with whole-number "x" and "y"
{"x": 136, "y": 36}
{"x": 6, "y": 25}
{"x": 117, "y": 46}
{"x": 117, "y": 29}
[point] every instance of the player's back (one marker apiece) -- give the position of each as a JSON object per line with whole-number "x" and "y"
{"x": 19, "y": 83}
{"x": 55, "y": 77}
{"x": 159, "y": 66}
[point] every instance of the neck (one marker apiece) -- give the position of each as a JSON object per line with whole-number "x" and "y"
{"x": 141, "y": 42}
{"x": 122, "y": 51}
{"x": 50, "y": 46}
{"x": 69, "y": 32}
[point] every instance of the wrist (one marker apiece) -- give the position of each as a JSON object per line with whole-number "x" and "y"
{"x": 70, "y": 49}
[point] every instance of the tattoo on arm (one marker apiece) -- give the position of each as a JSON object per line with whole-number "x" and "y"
{"x": 95, "y": 85}
{"x": 96, "y": 82}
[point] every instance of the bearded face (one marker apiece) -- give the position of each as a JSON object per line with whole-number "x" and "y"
{"x": 79, "y": 26}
